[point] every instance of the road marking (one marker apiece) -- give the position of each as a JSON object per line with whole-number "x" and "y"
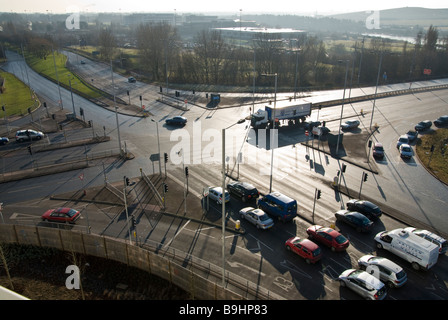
{"x": 285, "y": 263}
{"x": 18, "y": 216}
{"x": 177, "y": 233}
{"x": 237, "y": 265}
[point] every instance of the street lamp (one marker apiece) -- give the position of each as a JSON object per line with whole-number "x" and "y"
{"x": 376, "y": 87}
{"x": 158, "y": 144}
{"x": 115, "y": 105}
{"x": 342, "y": 107}
{"x": 71, "y": 93}
{"x": 223, "y": 197}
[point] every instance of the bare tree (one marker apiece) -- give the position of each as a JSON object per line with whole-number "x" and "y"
{"x": 107, "y": 43}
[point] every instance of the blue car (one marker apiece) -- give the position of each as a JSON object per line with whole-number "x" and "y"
{"x": 177, "y": 120}
{"x": 3, "y": 140}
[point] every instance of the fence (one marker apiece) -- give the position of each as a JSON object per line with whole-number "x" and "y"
{"x": 197, "y": 277}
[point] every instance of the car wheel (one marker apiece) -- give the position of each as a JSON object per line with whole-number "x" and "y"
{"x": 358, "y": 229}
{"x": 379, "y": 245}
{"x": 288, "y": 248}
{"x": 243, "y": 198}
{"x": 242, "y": 216}
{"x": 333, "y": 249}
{"x": 38, "y": 137}
{"x": 415, "y": 266}
{"x": 342, "y": 283}
{"x": 390, "y": 284}
{"x": 308, "y": 261}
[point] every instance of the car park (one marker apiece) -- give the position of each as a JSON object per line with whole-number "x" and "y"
{"x": 423, "y": 125}
{"x": 132, "y": 80}
{"x": 3, "y": 140}
{"x": 405, "y": 151}
{"x": 441, "y": 121}
{"x": 243, "y": 190}
{"x": 363, "y": 284}
{"x": 278, "y": 205}
{"x": 329, "y": 237}
{"x": 431, "y": 237}
{"x": 257, "y": 217}
{"x": 349, "y": 125}
{"x": 412, "y": 135}
{"x": 177, "y": 120}
{"x": 367, "y": 208}
{"x": 378, "y": 150}
{"x": 215, "y": 193}
{"x": 354, "y": 219}
{"x": 387, "y": 271}
{"x": 62, "y": 214}
{"x": 304, "y": 248}
{"x": 28, "y": 134}
{"x": 402, "y": 139}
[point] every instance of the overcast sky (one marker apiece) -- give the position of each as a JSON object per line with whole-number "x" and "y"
{"x": 229, "y": 6}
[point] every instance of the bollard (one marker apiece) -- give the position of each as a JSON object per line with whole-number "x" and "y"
{"x": 237, "y": 224}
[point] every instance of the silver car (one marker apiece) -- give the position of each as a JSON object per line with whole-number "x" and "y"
{"x": 257, "y": 217}
{"x": 24, "y": 135}
{"x": 387, "y": 271}
{"x": 215, "y": 194}
{"x": 363, "y": 284}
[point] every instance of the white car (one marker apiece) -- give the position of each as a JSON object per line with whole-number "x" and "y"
{"x": 257, "y": 217}
{"x": 363, "y": 284}
{"x": 405, "y": 151}
{"x": 215, "y": 193}
{"x": 387, "y": 271}
{"x": 24, "y": 135}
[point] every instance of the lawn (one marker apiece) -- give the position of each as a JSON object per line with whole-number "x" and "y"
{"x": 17, "y": 96}
{"x": 435, "y": 161}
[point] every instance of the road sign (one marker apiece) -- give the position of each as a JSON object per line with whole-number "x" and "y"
{"x": 154, "y": 157}
{"x": 306, "y": 133}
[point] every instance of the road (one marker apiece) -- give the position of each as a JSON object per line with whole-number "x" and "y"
{"x": 258, "y": 255}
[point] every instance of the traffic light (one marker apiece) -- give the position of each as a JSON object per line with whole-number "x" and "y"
{"x": 318, "y": 194}
{"x": 165, "y": 187}
{"x": 186, "y": 171}
{"x": 29, "y": 150}
{"x": 165, "y": 155}
{"x": 365, "y": 176}
{"x": 126, "y": 179}
{"x": 344, "y": 166}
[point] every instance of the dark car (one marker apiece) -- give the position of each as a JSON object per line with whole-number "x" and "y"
{"x": 355, "y": 219}
{"x": 349, "y": 125}
{"x": 177, "y": 120}
{"x": 3, "y": 140}
{"x": 243, "y": 190}
{"x": 423, "y": 125}
{"x": 378, "y": 150}
{"x": 61, "y": 215}
{"x": 131, "y": 80}
{"x": 367, "y": 208}
{"x": 329, "y": 237}
{"x": 412, "y": 135}
{"x": 441, "y": 121}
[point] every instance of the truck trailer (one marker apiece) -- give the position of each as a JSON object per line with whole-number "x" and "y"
{"x": 288, "y": 111}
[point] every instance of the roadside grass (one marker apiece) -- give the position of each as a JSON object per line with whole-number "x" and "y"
{"x": 16, "y": 97}
{"x": 47, "y": 68}
{"x": 437, "y": 163}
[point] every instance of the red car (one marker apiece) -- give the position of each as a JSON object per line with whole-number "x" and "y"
{"x": 329, "y": 237}
{"x": 305, "y": 248}
{"x": 61, "y": 215}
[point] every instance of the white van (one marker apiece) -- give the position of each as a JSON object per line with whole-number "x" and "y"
{"x": 432, "y": 237}
{"x": 420, "y": 253}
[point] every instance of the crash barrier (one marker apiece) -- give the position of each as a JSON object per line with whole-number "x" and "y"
{"x": 201, "y": 279}
{"x": 380, "y": 95}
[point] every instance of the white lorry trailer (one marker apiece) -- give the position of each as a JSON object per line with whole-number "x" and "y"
{"x": 421, "y": 253}
{"x": 271, "y": 116}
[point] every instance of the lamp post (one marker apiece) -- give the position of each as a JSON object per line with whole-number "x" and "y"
{"x": 115, "y": 105}
{"x": 71, "y": 93}
{"x": 376, "y": 88}
{"x": 342, "y": 107}
{"x": 158, "y": 144}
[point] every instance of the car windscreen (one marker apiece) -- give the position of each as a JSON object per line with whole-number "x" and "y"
{"x": 71, "y": 212}
{"x": 340, "y": 239}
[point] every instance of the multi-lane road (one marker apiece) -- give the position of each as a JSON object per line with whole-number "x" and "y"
{"x": 297, "y": 171}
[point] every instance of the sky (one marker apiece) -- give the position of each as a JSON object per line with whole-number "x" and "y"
{"x": 229, "y": 6}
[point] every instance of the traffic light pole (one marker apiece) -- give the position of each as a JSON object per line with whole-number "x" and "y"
{"x": 317, "y": 193}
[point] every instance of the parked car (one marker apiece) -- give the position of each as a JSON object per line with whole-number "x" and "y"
{"x": 412, "y": 135}
{"x": 364, "y": 284}
{"x": 243, "y": 190}
{"x": 441, "y": 121}
{"x": 62, "y": 214}
{"x": 423, "y": 125}
{"x": 432, "y": 237}
{"x": 329, "y": 237}
{"x": 367, "y": 208}
{"x": 405, "y": 151}
{"x": 177, "y": 120}
{"x": 257, "y": 217}
{"x": 305, "y": 248}
{"x": 278, "y": 205}
{"x": 402, "y": 139}
{"x": 132, "y": 80}
{"x": 354, "y": 219}
{"x": 387, "y": 271}
{"x": 3, "y": 140}
{"x": 378, "y": 150}
{"x": 215, "y": 193}
{"x": 24, "y": 135}
{"x": 349, "y": 125}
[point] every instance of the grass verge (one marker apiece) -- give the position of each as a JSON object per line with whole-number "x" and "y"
{"x": 16, "y": 97}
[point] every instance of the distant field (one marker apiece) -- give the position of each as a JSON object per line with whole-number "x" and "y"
{"x": 17, "y": 96}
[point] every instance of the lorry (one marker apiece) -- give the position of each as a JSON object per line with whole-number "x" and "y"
{"x": 421, "y": 253}
{"x": 294, "y": 113}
